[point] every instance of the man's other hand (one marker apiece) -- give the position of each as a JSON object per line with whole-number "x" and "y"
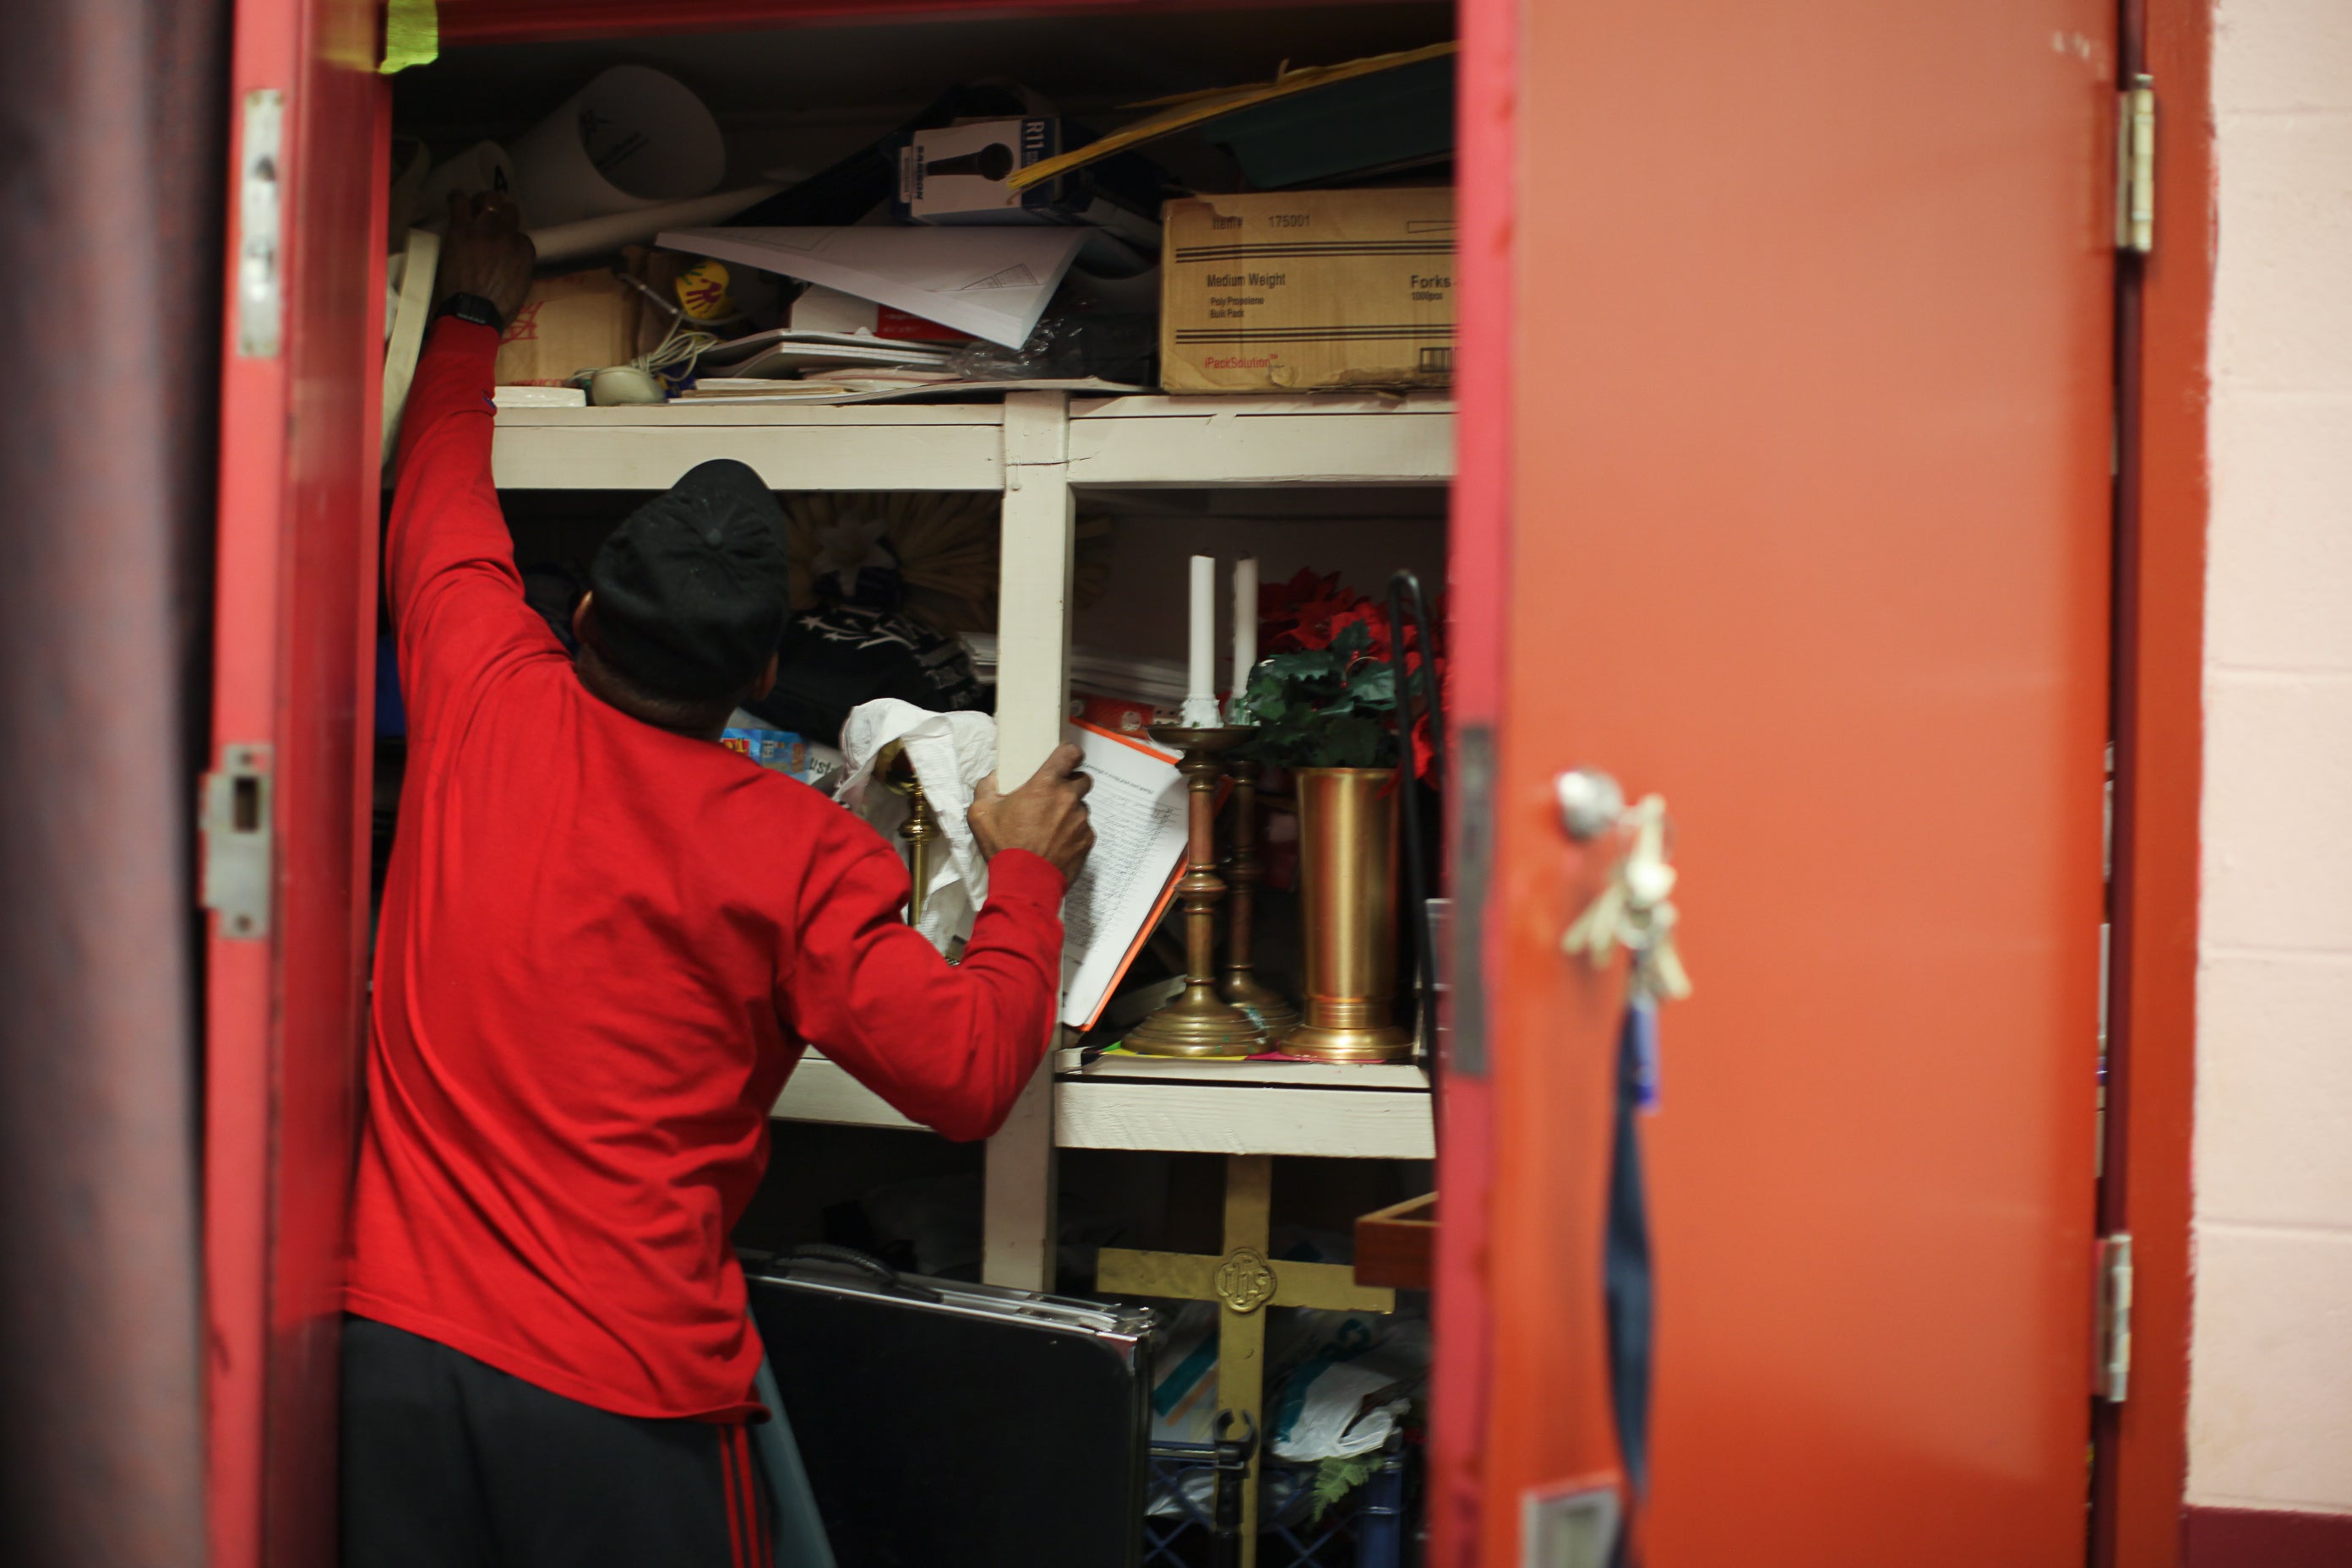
{"x": 1047, "y": 816}
{"x": 487, "y": 253}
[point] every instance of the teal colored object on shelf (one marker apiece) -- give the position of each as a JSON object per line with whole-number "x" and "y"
{"x": 1378, "y": 121}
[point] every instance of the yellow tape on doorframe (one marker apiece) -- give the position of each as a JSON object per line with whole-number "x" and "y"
{"x": 411, "y": 35}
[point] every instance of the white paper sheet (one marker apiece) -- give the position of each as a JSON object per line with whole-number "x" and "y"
{"x": 1137, "y": 809}
{"x": 991, "y": 282}
{"x": 932, "y": 392}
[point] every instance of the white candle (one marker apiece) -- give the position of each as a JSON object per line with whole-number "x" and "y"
{"x": 1199, "y": 682}
{"x": 1244, "y": 622}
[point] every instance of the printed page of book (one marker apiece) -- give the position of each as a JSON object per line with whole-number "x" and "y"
{"x": 1138, "y": 812}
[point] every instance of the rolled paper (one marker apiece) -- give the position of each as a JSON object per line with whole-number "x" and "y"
{"x": 1245, "y": 623}
{"x": 634, "y": 137}
{"x": 595, "y": 236}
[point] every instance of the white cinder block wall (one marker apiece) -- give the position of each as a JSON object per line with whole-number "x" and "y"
{"x": 2270, "y": 1419}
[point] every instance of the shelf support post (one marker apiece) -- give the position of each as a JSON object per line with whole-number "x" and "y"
{"x": 1040, "y": 538}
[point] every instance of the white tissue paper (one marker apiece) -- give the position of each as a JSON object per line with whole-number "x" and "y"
{"x": 1351, "y": 1393}
{"x": 951, "y": 753}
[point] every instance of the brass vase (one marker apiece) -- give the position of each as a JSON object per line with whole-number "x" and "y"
{"x": 1348, "y": 898}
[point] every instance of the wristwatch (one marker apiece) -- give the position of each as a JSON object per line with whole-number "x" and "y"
{"x": 471, "y": 308}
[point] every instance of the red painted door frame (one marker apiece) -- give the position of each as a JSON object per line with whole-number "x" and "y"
{"x": 2163, "y": 498}
{"x": 297, "y": 444}
{"x": 294, "y": 646}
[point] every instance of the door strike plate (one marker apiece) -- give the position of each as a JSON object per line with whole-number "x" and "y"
{"x": 233, "y": 820}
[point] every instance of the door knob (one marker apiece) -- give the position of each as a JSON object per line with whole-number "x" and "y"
{"x": 1591, "y": 802}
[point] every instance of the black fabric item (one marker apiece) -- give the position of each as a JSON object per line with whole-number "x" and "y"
{"x": 450, "y": 1462}
{"x": 692, "y": 590}
{"x": 838, "y": 655}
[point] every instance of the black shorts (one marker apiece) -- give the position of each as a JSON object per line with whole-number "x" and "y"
{"x": 449, "y": 1463}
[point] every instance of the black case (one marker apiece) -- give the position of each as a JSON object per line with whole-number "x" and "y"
{"x": 945, "y": 1424}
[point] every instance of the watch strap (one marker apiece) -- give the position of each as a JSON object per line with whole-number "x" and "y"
{"x": 472, "y": 307}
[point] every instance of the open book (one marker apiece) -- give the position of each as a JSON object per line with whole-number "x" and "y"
{"x": 1137, "y": 805}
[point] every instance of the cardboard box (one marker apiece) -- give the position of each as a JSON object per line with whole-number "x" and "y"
{"x": 1302, "y": 291}
{"x": 576, "y": 322}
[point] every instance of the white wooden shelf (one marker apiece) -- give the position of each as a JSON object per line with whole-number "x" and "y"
{"x": 1209, "y": 1108}
{"x": 1041, "y": 450}
{"x": 1322, "y": 438}
{"x": 861, "y": 446}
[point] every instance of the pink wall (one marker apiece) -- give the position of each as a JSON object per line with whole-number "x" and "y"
{"x": 2270, "y": 1394}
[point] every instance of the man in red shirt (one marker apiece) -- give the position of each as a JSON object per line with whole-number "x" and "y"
{"x": 604, "y": 941}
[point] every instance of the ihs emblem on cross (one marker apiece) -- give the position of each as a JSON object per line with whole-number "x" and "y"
{"x": 1245, "y": 1280}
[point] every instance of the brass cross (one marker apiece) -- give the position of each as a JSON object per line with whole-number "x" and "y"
{"x": 1243, "y": 1282}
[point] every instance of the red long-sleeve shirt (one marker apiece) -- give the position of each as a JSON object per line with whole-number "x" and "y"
{"x": 603, "y": 947}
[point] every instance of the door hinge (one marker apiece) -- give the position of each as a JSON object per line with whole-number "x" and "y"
{"x": 2136, "y": 166}
{"x": 234, "y": 822}
{"x": 260, "y": 223}
{"x": 2111, "y": 1371}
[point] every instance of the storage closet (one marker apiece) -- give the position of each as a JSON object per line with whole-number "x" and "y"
{"x": 1782, "y": 487}
{"x": 1109, "y": 494}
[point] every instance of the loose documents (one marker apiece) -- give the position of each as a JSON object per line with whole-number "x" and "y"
{"x": 1137, "y": 808}
{"x": 991, "y": 282}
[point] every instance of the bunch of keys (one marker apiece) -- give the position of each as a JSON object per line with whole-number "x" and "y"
{"x": 1634, "y": 911}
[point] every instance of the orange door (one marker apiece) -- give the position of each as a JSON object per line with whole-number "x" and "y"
{"x": 293, "y": 639}
{"x": 1785, "y": 494}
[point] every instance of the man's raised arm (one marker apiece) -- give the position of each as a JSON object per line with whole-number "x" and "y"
{"x": 456, "y": 599}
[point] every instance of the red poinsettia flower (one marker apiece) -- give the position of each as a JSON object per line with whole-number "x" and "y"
{"x": 1278, "y": 603}
{"x": 1373, "y": 618}
{"x": 1310, "y": 613}
{"x": 1295, "y": 616}
{"x": 1424, "y": 752}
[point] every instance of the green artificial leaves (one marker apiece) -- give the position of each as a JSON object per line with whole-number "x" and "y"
{"x": 1332, "y": 707}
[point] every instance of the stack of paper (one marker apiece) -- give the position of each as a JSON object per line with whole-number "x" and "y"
{"x": 1158, "y": 681}
{"x": 829, "y": 387}
{"x": 787, "y": 352}
{"x": 796, "y": 364}
{"x": 832, "y": 390}
{"x": 991, "y": 282}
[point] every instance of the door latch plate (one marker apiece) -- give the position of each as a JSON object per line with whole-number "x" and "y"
{"x": 233, "y": 820}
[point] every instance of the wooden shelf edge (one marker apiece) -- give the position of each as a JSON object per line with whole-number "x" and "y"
{"x": 1397, "y": 1245}
{"x": 1175, "y": 1114}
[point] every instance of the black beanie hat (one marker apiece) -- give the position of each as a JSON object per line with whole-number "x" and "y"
{"x": 692, "y": 590}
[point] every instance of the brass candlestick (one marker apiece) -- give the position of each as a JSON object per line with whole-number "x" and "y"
{"x": 1267, "y": 1007}
{"x": 1198, "y": 1022}
{"x": 896, "y": 773}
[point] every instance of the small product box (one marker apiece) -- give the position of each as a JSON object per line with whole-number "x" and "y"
{"x": 1308, "y": 290}
{"x": 779, "y": 751}
{"x": 956, "y": 173}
